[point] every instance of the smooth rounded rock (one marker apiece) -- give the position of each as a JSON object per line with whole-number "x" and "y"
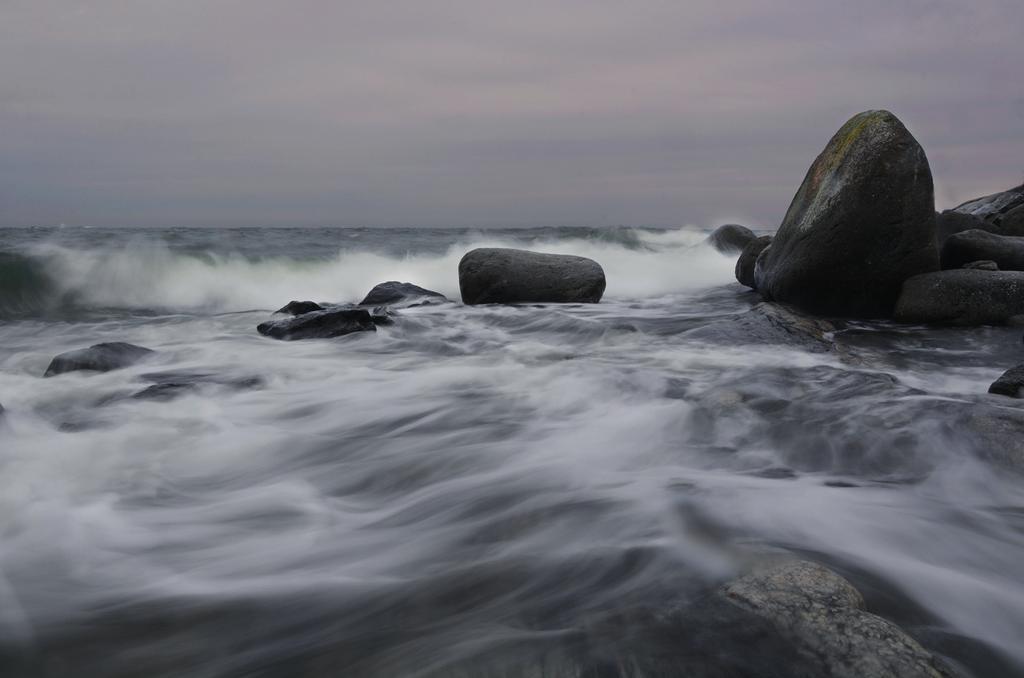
{"x": 862, "y": 222}
{"x": 976, "y": 245}
{"x": 730, "y": 238}
{"x": 509, "y": 276}
{"x": 962, "y": 297}
{"x": 748, "y": 257}
{"x": 394, "y": 292}
{"x": 98, "y": 358}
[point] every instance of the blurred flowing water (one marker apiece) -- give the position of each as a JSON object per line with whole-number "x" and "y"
{"x": 473, "y": 491}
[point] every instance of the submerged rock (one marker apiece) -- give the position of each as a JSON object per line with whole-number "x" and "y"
{"x": 508, "y": 276}
{"x": 323, "y": 324}
{"x": 962, "y": 297}
{"x": 98, "y": 358}
{"x": 748, "y": 257}
{"x": 963, "y": 248}
{"x": 1010, "y": 384}
{"x": 769, "y": 324}
{"x": 299, "y": 307}
{"x": 394, "y": 292}
{"x": 730, "y": 238}
{"x": 862, "y": 222}
{"x": 170, "y": 385}
{"x": 823, "y": 615}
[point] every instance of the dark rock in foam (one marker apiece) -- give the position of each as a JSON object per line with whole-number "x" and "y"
{"x": 748, "y": 257}
{"x": 98, "y": 358}
{"x": 862, "y": 222}
{"x": 966, "y": 247}
{"x": 509, "y": 276}
{"x": 730, "y": 238}
{"x": 962, "y": 297}
{"x": 1011, "y": 383}
{"x": 299, "y": 307}
{"x": 394, "y": 292}
{"x": 319, "y": 324}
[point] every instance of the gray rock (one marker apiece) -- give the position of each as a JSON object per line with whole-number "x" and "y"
{"x": 171, "y": 384}
{"x": 748, "y": 257}
{"x": 862, "y": 222}
{"x": 299, "y": 307}
{"x": 730, "y": 238}
{"x": 1010, "y": 384}
{"x": 1001, "y": 213}
{"x": 98, "y": 358}
{"x": 768, "y": 324}
{"x": 982, "y": 266}
{"x": 319, "y": 324}
{"x": 509, "y": 276}
{"x": 977, "y": 245}
{"x": 950, "y": 221}
{"x": 407, "y": 294}
{"x": 962, "y": 297}
{"x": 823, "y": 615}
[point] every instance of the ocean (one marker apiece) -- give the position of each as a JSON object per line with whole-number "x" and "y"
{"x": 532, "y": 490}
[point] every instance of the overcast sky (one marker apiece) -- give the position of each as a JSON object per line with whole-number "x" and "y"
{"x": 451, "y": 112}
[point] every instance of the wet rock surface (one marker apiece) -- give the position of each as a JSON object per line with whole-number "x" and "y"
{"x": 393, "y": 292}
{"x": 323, "y": 324}
{"x": 299, "y": 307}
{"x": 1011, "y": 383}
{"x": 747, "y": 259}
{"x": 98, "y": 358}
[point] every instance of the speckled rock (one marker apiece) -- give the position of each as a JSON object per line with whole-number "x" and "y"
{"x": 962, "y": 297}
{"x": 1011, "y": 383}
{"x": 824, "y": 616}
{"x": 862, "y": 222}
{"x": 1001, "y": 213}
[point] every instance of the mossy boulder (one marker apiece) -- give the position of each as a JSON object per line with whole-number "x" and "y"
{"x": 862, "y": 222}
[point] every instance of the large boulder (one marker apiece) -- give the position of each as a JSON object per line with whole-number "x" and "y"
{"x": 974, "y": 245}
{"x": 730, "y": 238}
{"x": 406, "y": 294}
{"x": 1001, "y": 213}
{"x": 98, "y": 358}
{"x": 862, "y": 222}
{"x": 493, "y": 275}
{"x": 319, "y": 324}
{"x": 823, "y": 616}
{"x": 962, "y": 297}
{"x": 748, "y": 257}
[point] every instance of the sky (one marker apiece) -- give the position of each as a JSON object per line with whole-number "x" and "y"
{"x": 482, "y": 113}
